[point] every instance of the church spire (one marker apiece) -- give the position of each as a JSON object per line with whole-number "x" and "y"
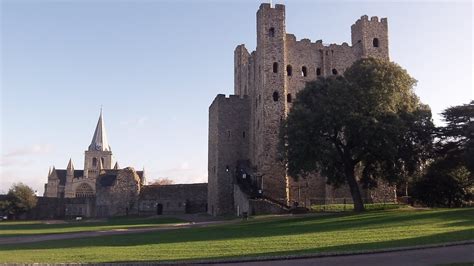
{"x": 99, "y": 140}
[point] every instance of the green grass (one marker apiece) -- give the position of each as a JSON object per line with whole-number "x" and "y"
{"x": 350, "y": 207}
{"x": 260, "y": 236}
{"x": 29, "y": 228}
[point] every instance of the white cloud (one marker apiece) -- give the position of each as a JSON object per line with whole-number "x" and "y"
{"x": 139, "y": 122}
{"x": 34, "y": 149}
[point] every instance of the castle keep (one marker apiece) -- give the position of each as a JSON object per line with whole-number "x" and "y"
{"x": 244, "y": 170}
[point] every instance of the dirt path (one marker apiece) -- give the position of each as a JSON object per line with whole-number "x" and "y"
{"x": 46, "y": 237}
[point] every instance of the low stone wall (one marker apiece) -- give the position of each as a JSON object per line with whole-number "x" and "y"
{"x": 173, "y": 199}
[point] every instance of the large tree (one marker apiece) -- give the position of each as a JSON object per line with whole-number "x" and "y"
{"x": 449, "y": 180}
{"x": 21, "y": 199}
{"x": 357, "y": 128}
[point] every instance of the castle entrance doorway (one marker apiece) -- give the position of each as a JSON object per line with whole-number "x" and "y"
{"x": 159, "y": 209}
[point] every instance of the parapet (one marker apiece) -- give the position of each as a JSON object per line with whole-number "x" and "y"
{"x": 365, "y": 19}
{"x": 266, "y": 6}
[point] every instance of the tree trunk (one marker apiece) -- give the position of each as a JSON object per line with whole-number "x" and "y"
{"x": 354, "y": 187}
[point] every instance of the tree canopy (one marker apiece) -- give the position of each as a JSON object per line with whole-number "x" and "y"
{"x": 20, "y": 199}
{"x": 449, "y": 179}
{"x": 368, "y": 121}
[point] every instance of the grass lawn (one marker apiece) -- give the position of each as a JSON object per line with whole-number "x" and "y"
{"x": 29, "y": 228}
{"x": 260, "y": 236}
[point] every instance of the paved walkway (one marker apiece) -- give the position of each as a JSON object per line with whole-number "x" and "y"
{"x": 419, "y": 257}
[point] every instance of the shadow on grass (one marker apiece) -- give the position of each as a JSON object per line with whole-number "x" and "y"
{"x": 35, "y": 229}
{"x": 281, "y": 227}
{"x": 410, "y": 242}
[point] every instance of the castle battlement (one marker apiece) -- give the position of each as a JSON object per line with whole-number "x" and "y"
{"x": 245, "y": 126}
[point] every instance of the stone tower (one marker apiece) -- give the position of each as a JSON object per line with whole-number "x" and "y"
{"x": 99, "y": 155}
{"x": 271, "y": 107}
{"x": 266, "y": 82}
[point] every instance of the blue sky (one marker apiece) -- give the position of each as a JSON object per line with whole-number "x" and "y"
{"x": 156, "y": 66}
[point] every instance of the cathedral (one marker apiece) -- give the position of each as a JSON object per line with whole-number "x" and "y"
{"x": 98, "y": 161}
{"x": 103, "y": 189}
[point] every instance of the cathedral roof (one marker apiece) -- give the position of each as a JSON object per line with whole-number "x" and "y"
{"x": 99, "y": 140}
{"x": 61, "y": 174}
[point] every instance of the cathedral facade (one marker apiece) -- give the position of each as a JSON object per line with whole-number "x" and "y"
{"x": 99, "y": 164}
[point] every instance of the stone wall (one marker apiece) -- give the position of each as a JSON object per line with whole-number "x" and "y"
{"x": 173, "y": 199}
{"x": 117, "y": 195}
{"x": 270, "y": 78}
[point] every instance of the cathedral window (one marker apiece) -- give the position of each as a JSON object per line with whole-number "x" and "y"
{"x": 271, "y": 32}
{"x": 288, "y": 97}
{"x": 375, "y": 42}
{"x": 275, "y": 67}
{"x": 318, "y": 71}
{"x": 334, "y": 71}
{"x": 84, "y": 191}
{"x": 94, "y": 162}
{"x": 289, "y": 70}
{"x": 275, "y": 96}
{"x": 304, "y": 71}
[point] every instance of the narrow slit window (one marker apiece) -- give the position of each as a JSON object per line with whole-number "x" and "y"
{"x": 375, "y": 42}
{"x": 304, "y": 71}
{"x": 271, "y": 32}
{"x": 275, "y": 96}
{"x": 318, "y": 71}
{"x": 289, "y": 70}
{"x": 288, "y": 97}
{"x": 275, "y": 67}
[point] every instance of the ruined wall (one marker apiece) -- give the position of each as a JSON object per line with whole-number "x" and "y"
{"x": 117, "y": 195}
{"x": 173, "y": 199}
{"x": 228, "y": 143}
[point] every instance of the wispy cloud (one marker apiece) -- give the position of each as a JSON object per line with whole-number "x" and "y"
{"x": 138, "y": 122}
{"x": 34, "y": 149}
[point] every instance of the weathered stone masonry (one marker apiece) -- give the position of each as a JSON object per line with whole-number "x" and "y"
{"x": 266, "y": 81}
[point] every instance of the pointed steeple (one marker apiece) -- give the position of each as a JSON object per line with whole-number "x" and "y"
{"x": 70, "y": 165}
{"x": 116, "y": 167}
{"x": 99, "y": 140}
{"x": 49, "y": 171}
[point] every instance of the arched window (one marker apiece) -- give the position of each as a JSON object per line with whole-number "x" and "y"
{"x": 84, "y": 191}
{"x": 288, "y": 97}
{"x": 275, "y": 96}
{"x": 304, "y": 71}
{"x": 289, "y": 70}
{"x": 318, "y": 71}
{"x": 375, "y": 42}
{"x": 94, "y": 162}
{"x": 275, "y": 67}
{"x": 271, "y": 32}
{"x": 334, "y": 71}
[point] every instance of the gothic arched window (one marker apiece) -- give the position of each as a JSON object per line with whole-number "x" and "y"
{"x": 84, "y": 191}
